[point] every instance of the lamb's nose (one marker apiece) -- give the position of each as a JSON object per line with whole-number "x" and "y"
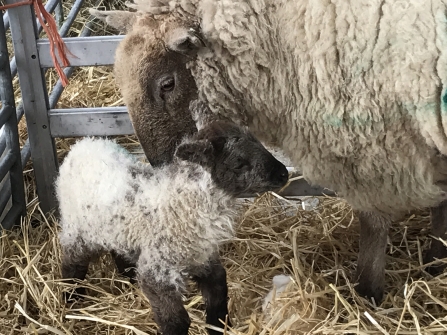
{"x": 281, "y": 175}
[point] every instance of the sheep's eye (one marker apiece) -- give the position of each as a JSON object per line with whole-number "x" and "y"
{"x": 167, "y": 85}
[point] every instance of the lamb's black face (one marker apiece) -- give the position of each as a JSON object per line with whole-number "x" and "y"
{"x": 238, "y": 162}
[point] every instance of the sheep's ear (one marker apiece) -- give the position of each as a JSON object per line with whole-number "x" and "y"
{"x": 185, "y": 40}
{"x": 200, "y": 152}
{"x": 118, "y": 19}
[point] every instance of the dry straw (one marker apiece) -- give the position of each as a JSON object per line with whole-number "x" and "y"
{"x": 317, "y": 248}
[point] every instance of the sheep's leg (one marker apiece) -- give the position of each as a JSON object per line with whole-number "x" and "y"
{"x": 74, "y": 266}
{"x": 167, "y": 305}
{"x": 371, "y": 260}
{"x": 212, "y": 282}
{"x": 124, "y": 266}
{"x": 439, "y": 229}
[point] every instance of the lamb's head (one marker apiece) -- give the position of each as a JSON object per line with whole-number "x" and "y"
{"x": 151, "y": 72}
{"x": 238, "y": 162}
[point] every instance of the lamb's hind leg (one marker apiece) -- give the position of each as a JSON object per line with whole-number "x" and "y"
{"x": 124, "y": 266}
{"x": 212, "y": 282}
{"x": 439, "y": 229}
{"x": 371, "y": 261}
{"x": 167, "y": 305}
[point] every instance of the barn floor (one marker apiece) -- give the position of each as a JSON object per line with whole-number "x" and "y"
{"x": 317, "y": 248}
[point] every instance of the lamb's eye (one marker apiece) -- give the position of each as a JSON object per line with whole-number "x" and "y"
{"x": 167, "y": 85}
{"x": 239, "y": 166}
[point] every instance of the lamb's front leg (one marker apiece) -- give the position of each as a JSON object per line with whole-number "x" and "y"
{"x": 439, "y": 229}
{"x": 75, "y": 262}
{"x": 167, "y": 305}
{"x": 371, "y": 260}
{"x": 212, "y": 282}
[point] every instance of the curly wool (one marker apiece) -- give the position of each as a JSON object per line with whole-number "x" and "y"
{"x": 354, "y": 92}
{"x": 170, "y": 218}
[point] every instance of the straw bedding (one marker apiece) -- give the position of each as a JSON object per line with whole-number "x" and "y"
{"x": 317, "y": 248}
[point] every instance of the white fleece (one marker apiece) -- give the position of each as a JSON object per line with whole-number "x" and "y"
{"x": 172, "y": 218}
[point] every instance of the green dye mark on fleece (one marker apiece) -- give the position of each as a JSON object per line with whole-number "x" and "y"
{"x": 336, "y": 121}
{"x": 444, "y": 103}
{"x": 333, "y": 120}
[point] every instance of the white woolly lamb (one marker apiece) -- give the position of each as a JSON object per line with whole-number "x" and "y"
{"x": 166, "y": 221}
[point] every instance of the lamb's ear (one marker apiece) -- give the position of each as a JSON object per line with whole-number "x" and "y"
{"x": 118, "y": 19}
{"x": 201, "y": 114}
{"x": 200, "y": 152}
{"x": 185, "y": 40}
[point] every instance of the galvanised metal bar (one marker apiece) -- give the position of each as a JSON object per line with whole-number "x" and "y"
{"x": 14, "y": 163}
{"x": 86, "y": 50}
{"x": 49, "y": 6}
{"x": 100, "y": 121}
{"x": 35, "y": 102}
{"x": 5, "y": 195}
{"x": 5, "y": 113}
{"x": 26, "y": 153}
{"x": 6, "y": 163}
{"x": 59, "y": 14}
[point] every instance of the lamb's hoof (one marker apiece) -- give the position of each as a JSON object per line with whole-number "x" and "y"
{"x": 370, "y": 293}
{"x": 435, "y": 269}
{"x": 217, "y": 332}
{"x": 74, "y": 295}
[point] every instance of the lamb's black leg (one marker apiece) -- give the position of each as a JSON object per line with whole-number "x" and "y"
{"x": 167, "y": 305}
{"x": 212, "y": 282}
{"x": 124, "y": 266}
{"x": 371, "y": 261}
{"x": 439, "y": 229}
{"x": 75, "y": 266}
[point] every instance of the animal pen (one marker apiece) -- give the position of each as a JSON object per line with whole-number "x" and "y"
{"x": 316, "y": 248}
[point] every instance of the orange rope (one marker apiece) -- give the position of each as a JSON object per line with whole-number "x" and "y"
{"x": 52, "y": 32}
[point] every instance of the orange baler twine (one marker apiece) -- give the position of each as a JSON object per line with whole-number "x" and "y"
{"x": 50, "y": 28}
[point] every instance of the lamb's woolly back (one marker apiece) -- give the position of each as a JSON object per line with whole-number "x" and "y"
{"x": 354, "y": 92}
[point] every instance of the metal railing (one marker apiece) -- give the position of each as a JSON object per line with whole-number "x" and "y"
{"x": 12, "y": 193}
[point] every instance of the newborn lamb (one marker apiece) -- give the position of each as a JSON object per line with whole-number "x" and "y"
{"x": 168, "y": 221}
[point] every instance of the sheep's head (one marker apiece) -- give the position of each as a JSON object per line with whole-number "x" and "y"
{"x": 238, "y": 162}
{"x": 151, "y": 72}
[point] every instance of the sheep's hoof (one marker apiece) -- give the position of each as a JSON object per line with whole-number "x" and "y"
{"x": 74, "y": 295}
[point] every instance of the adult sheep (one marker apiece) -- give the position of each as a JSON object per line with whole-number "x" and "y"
{"x": 352, "y": 91}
